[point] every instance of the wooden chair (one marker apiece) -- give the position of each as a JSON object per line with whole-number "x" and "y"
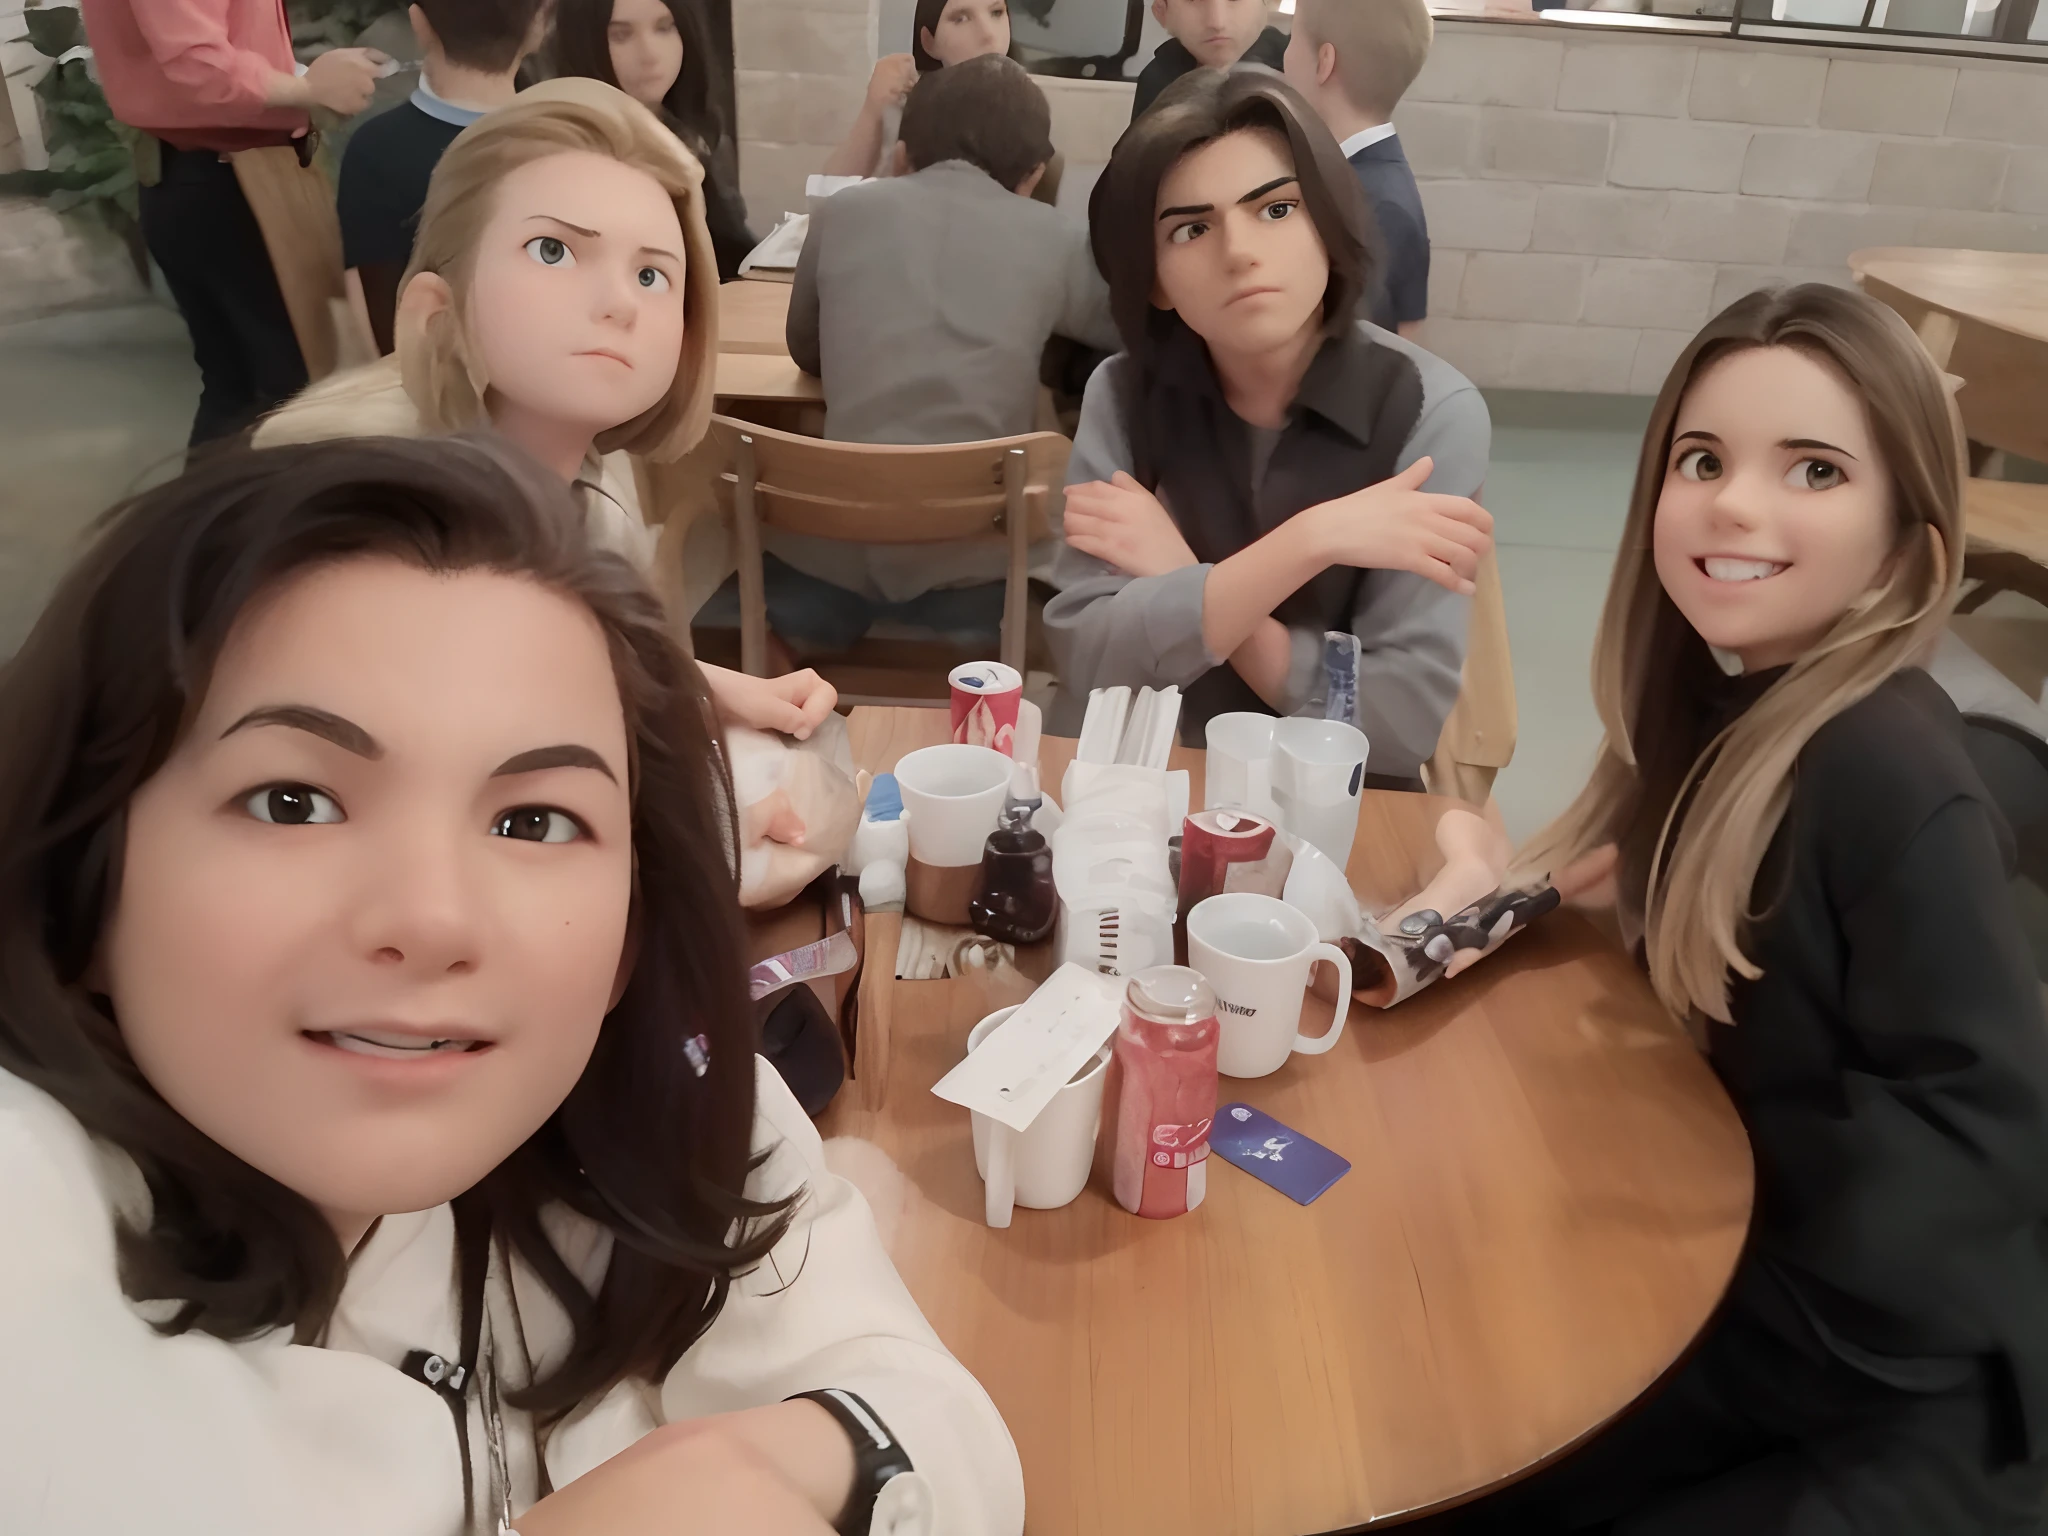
{"x": 2003, "y": 377}
{"x": 996, "y": 491}
{"x": 1478, "y": 738}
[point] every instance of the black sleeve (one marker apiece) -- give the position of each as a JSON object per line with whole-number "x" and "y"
{"x": 1942, "y": 1128}
{"x": 1407, "y": 250}
{"x": 1152, "y": 79}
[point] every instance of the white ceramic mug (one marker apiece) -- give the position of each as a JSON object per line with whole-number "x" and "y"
{"x": 1046, "y": 1165}
{"x": 1237, "y": 769}
{"x": 953, "y": 795}
{"x": 1256, "y": 951}
{"x": 1318, "y": 772}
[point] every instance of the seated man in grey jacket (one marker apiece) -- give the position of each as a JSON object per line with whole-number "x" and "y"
{"x": 924, "y": 301}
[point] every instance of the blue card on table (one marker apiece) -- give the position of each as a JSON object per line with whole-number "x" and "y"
{"x": 1264, "y": 1148}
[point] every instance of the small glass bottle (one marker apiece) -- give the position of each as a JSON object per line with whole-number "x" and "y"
{"x": 1016, "y": 902}
{"x": 1163, "y": 1088}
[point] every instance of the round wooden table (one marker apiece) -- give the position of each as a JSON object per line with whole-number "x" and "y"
{"x": 2003, "y": 289}
{"x": 1548, "y": 1194}
{"x": 1983, "y": 316}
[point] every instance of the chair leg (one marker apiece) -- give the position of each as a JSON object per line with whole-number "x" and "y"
{"x": 1017, "y": 582}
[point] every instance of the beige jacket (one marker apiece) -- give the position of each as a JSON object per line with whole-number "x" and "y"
{"x": 371, "y": 401}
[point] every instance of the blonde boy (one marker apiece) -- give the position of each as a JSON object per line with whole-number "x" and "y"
{"x": 1353, "y": 60}
{"x": 1207, "y": 34}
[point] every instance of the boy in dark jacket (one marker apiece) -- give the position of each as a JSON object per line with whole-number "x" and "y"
{"x": 1353, "y": 60}
{"x": 1207, "y": 34}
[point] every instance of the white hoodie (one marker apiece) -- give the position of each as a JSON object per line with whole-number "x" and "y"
{"x": 108, "y": 1428}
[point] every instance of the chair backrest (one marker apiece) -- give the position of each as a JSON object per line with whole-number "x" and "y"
{"x": 885, "y": 493}
{"x": 1478, "y": 738}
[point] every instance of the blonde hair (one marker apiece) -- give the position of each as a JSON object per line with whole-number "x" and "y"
{"x": 1693, "y": 904}
{"x": 442, "y": 375}
{"x": 1381, "y": 46}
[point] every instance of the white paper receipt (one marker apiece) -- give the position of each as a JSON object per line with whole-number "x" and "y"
{"x": 1014, "y": 1073}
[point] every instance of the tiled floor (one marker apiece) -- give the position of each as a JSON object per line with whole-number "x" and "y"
{"x": 93, "y": 405}
{"x": 1558, "y": 490}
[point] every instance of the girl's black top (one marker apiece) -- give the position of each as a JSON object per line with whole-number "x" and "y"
{"x": 1891, "y": 1062}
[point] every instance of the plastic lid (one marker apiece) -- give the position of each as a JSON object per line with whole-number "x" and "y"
{"x": 1171, "y": 994}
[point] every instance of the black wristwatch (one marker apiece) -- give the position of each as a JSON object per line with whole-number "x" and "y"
{"x": 878, "y": 1455}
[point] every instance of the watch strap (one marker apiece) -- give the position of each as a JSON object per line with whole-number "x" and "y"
{"x": 878, "y": 1455}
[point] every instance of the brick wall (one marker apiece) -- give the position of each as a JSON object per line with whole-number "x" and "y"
{"x": 800, "y": 69}
{"x": 1592, "y": 200}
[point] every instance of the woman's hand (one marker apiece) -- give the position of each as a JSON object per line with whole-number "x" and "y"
{"x": 696, "y": 1478}
{"x": 889, "y": 85}
{"x": 793, "y": 703}
{"x": 1123, "y": 524}
{"x": 1588, "y": 881}
{"x": 1398, "y": 526}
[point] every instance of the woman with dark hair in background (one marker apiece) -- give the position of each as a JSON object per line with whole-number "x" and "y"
{"x": 375, "y": 1048}
{"x": 942, "y": 32}
{"x": 1260, "y": 466}
{"x": 659, "y": 53}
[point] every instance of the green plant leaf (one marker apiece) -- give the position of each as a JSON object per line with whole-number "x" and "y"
{"x": 55, "y": 30}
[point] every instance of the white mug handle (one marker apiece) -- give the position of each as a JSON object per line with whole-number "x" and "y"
{"x": 1000, "y": 1197}
{"x": 1320, "y": 1044}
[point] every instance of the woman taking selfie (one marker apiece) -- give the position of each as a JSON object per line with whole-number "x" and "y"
{"x": 1260, "y": 466}
{"x": 382, "y": 1144}
{"x": 659, "y": 53}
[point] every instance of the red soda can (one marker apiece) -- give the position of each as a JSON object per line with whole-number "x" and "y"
{"x": 983, "y": 697}
{"x": 1165, "y": 1095}
{"x": 1230, "y": 851}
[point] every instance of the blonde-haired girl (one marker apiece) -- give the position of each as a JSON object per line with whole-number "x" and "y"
{"x": 1788, "y": 822}
{"x": 562, "y": 289}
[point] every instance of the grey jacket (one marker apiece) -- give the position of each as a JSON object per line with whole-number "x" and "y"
{"x": 924, "y": 301}
{"x": 1106, "y": 628}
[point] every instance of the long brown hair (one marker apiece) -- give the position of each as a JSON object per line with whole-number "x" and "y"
{"x": 92, "y": 706}
{"x": 583, "y": 48}
{"x": 1651, "y": 669}
{"x": 1197, "y": 109}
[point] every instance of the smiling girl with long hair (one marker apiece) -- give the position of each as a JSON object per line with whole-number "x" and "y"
{"x": 1787, "y": 817}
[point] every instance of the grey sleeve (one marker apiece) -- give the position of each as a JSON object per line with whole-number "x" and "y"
{"x": 801, "y": 330}
{"x": 1106, "y": 628}
{"x": 1084, "y": 315}
{"x": 1411, "y": 631}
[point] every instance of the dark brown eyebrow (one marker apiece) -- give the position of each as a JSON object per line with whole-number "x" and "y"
{"x": 345, "y": 734}
{"x": 1258, "y": 192}
{"x": 1250, "y": 197}
{"x": 588, "y": 234}
{"x": 567, "y": 755}
{"x": 1705, "y": 437}
{"x": 1814, "y": 442}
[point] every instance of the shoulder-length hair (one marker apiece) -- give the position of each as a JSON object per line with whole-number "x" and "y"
{"x": 583, "y": 49}
{"x": 93, "y": 704}
{"x": 1648, "y": 661}
{"x": 926, "y": 20}
{"x": 1202, "y": 106}
{"x": 443, "y": 374}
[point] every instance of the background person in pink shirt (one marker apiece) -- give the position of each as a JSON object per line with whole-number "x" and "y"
{"x": 206, "y": 77}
